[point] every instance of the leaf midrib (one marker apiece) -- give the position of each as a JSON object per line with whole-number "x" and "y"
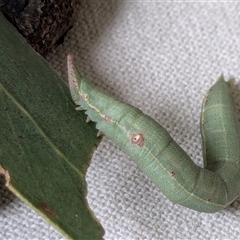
{"x": 39, "y": 129}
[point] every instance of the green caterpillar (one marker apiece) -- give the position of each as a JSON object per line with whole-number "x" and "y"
{"x": 209, "y": 189}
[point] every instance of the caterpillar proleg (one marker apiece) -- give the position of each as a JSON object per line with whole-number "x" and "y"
{"x": 209, "y": 189}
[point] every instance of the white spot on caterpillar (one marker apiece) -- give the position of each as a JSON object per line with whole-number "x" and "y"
{"x": 84, "y": 97}
{"x": 107, "y": 118}
{"x": 137, "y": 139}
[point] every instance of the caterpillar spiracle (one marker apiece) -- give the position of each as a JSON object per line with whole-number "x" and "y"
{"x": 208, "y": 189}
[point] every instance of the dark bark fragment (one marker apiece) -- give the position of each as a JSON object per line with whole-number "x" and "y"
{"x": 43, "y": 23}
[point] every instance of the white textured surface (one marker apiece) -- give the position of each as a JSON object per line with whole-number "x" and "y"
{"x": 161, "y": 57}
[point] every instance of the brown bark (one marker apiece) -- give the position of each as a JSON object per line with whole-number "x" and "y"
{"x": 43, "y": 23}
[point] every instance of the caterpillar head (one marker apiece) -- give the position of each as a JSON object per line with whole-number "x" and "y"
{"x": 74, "y": 78}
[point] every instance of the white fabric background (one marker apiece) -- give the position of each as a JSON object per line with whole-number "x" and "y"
{"x": 160, "y": 56}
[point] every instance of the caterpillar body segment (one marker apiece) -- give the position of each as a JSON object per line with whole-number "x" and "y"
{"x": 208, "y": 189}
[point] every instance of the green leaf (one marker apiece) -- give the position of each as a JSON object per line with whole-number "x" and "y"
{"x": 45, "y": 145}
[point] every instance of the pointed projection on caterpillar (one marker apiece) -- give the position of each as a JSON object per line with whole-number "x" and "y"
{"x": 209, "y": 189}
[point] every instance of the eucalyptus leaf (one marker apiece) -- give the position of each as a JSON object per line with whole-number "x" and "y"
{"x": 45, "y": 145}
